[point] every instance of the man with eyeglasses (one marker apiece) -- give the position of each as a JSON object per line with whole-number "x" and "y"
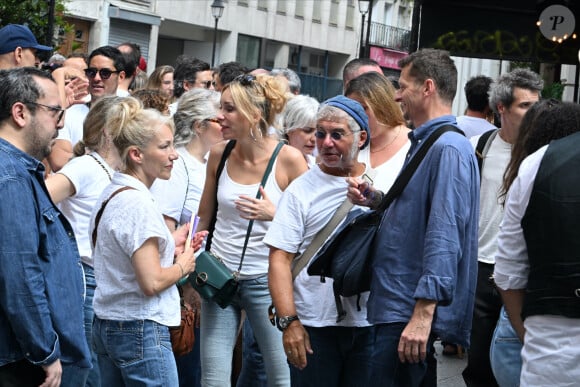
{"x": 41, "y": 279}
{"x": 18, "y": 47}
{"x": 104, "y": 73}
{"x": 190, "y": 73}
{"x": 323, "y": 349}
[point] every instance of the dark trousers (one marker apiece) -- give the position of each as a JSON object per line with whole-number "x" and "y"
{"x": 485, "y": 315}
{"x": 386, "y": 368}
{"x": 341, "y": 358}
{"x": 189, "y": 366}
{"x": 21, "y": 374}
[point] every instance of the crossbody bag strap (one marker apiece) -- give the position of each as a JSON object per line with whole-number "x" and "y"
{"x": 100, "y": 212}
{"x": 258, "y": 196}
{"x": 227, "y": 150}
{"x": 402, "y": 180}
{"x": 325, "y": 232}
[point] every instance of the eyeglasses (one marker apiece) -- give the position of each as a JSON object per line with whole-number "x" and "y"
{"x": 103, "y": 73}
{"x": 245, "y": 79}
{"x": 335, "y": 135}
{"x": 214, "y": 120}
{"x": 54, "y": 109}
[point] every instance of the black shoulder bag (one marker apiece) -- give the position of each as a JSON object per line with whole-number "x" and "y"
{"x": 346, "y": 256}
{"x": 211, "y": 278}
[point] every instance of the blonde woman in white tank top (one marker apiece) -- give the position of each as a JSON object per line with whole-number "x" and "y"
{"x": 249, "y": 106}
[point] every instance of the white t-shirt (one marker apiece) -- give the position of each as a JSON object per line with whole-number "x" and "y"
{"x": 304, "y": 209}
{"x": 184, "y": 187}
{"x": 490, "y": 207}
{"x": 387, "y": 172}
{"x": 230, "y": 229}
{"x": 474, "y": 126}
{"x": 129, "y": 219}
{"x": 89, "y": 179}
{"x": 72, "y": 130}
{"x": 550, "y": 353}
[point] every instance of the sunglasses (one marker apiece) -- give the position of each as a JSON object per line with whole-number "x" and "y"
{"x": 54, "y": 109}
{"x": 103, "y": 73}
{"x": 335, "y": 135}
{"x": 245, "y": 79}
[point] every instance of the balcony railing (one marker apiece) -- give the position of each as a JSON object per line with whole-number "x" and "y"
{"x": 391, "y": 37}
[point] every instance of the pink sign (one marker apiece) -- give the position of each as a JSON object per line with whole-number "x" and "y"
{"x": 386, "y": 57}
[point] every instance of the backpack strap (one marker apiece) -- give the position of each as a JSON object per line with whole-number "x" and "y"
{"x": 483, "y": 145}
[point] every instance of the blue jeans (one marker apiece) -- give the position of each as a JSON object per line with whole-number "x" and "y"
{"x": 94, "y": 378}
{"x": 505, "y": 353}
{"x": 387, "y": 369}
{"x": 73, "y": 376}
{"x": 134, "y": 353}
{"x": 219, "y": 329}
{"x": 341, "y": 358}
{"x": 253, "y": 373}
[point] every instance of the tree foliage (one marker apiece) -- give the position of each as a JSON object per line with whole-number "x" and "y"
{"x": 34, "y": 14}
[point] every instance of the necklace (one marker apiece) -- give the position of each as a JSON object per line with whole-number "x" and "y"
{"x": 101, "y": 164}
{"x": 392, "y": 141}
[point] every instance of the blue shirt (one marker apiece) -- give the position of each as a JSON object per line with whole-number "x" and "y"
{"x": 427, "y": 241}
{"x": 41, "y": 278}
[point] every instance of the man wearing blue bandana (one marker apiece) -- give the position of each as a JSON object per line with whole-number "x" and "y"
{"x": 322, "y": 349}
{"x": 425, "y": 261}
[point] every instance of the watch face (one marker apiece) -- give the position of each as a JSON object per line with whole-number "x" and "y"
{"x": 284, "y": 322}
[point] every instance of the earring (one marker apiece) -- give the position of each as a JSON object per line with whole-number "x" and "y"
{"x": 254, "y": 137}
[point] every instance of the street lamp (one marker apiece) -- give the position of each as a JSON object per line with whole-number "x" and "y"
{"x": 363, "y": 8}
{"x": 217, "y": 10}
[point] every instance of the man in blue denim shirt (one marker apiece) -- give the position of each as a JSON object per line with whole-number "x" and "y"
{"x": 41, "y": 287}
{"x": 425, "y": 265}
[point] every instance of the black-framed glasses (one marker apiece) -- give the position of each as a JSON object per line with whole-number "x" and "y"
{"x": 335, "y": 135}
{"x": 245, "y": 79}
{"x": 54, "y": 109}
{"x": 105, "y": 74}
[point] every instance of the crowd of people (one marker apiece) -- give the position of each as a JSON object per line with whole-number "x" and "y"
{"x": 103, "y": 169}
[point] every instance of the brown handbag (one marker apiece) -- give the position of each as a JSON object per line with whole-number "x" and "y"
{"x": 183, "y": 336}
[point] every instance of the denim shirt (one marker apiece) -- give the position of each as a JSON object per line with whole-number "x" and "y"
{"x": 426, "y": 247}
{"x": 41, "y": 278}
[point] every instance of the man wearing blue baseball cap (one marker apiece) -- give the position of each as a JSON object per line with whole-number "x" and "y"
{"x": 322, "y": 347}
{"x": 18, "y": 47}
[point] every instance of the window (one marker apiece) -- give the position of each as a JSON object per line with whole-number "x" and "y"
{"x": 333, "y": 19}
{"x": 316, "y": 12}
{"x": 243, "y": 3}
{"x": 262, "y": 5}
{"x": 299, "y": 9}
{"x": 248, "y": 51}
{"x": 281, "y": 7}
{"x": 350, "y": 15}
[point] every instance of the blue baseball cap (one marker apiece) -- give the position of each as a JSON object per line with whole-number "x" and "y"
{"x": 353, "y": 109}
{"x": 16, "y": 35}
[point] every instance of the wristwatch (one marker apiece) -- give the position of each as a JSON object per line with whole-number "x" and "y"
{"x": 284, "y": 322}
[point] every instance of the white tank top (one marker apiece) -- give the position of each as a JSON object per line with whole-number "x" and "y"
{"x": 230, "y": 229}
